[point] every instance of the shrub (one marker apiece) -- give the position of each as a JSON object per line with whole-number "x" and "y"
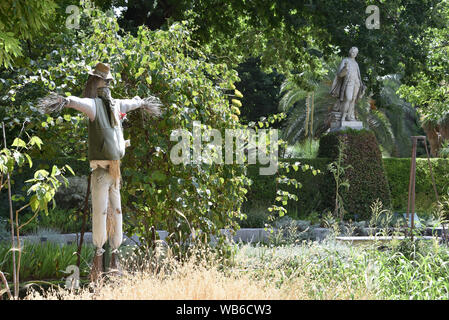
{"x": 61, "y": 220}
{"x": 19, "y": 176}
{"x": 366, "y": 176}
{"x": 316, "y": 190}
{"x": 311, "y": 194}
{"x": 398, "y": 174}
{"x": 257, "y": 214}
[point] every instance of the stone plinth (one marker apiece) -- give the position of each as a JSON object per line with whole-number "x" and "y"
{"x": 342, "y": 125}
{"x": 357, "y": 125}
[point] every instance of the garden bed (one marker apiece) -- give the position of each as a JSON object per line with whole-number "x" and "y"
{"x": 360, "y": 240}
{"x": 245, "y": 235}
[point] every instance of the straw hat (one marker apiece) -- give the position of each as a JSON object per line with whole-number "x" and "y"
{"x": 102, "y": 70}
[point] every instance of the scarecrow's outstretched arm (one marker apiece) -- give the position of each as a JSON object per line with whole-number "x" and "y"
{"x": 85, "y": 105}
{"x": 54, "y": 103}
{"x": 151, "y": 105}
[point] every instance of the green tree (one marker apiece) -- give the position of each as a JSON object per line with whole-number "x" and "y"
{"x": 428, "y": 87}
{"x": 39, "y": 194}
{"x": 179, "y": 198}
{"x": 383, "y": 50}
{"x": 297, "y": 35}
{"x": 402, "y": 118}
{"x": 260, "y": 90}
{"x": 21, "y": 20}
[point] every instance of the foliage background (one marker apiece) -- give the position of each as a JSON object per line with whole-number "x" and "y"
{"x": 316, "y": 196}
{"x": 162, "y": 63}
{"x": 189, "y": 67}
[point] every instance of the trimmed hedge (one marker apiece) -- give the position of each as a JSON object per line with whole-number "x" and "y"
{"x": 366, "y": 175}
{"x": 312, "y": 194}
{"x": 316, "y": 191}
{"x": 398, "y": 173}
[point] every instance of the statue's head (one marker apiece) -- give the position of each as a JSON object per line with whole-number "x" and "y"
{"x": 100, "y": 77}
{"x": 353, "y": 52}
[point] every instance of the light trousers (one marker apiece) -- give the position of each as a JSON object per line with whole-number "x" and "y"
{"x": 106, "y": 210}
{"x": 351, "y": 93}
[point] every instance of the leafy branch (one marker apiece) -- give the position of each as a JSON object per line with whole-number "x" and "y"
{"x": 338, "y": 169}
{"x": 42, "y": 191}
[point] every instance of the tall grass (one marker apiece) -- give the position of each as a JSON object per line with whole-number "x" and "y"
{"x": 309, "y": 270}
{"x": 44, "y": 260}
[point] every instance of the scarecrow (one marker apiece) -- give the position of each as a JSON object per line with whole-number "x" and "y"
{"x": 106, "y": 146}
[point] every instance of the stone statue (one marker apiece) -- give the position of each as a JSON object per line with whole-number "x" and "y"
{"x": 347, "y": 87}
{"x": 106, "y": 147}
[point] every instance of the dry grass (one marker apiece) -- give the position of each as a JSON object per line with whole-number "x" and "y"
{"x": 193, "y": 279}
{"x": 203, "y": 277}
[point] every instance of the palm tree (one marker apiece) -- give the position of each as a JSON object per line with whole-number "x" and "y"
{"x": 402, "y": 116}
{"x": 306, "y": 108}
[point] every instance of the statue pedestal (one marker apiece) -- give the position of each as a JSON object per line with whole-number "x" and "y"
{"x": 356, "y": 125}
{"x": 342, "y": 125}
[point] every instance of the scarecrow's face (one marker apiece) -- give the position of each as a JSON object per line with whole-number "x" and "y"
{"x": 104, "y": 92}
{"x": 104, "y": 83}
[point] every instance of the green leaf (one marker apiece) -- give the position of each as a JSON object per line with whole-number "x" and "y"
{"x": 40, "y": 174}
{"x": 48, "y": 196}
{"x": 140, "y": 72}
{"x": 19, "y": 143}
{"x": 55, "y": 171}
{"x": 70, "y": 169}
{"x": 29, "y": 159}
{"x": 17, "y": 197}
{"x": 36, "y": 140}
{"x": 158, "y": 176}
{"x": 34, "y": 203}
